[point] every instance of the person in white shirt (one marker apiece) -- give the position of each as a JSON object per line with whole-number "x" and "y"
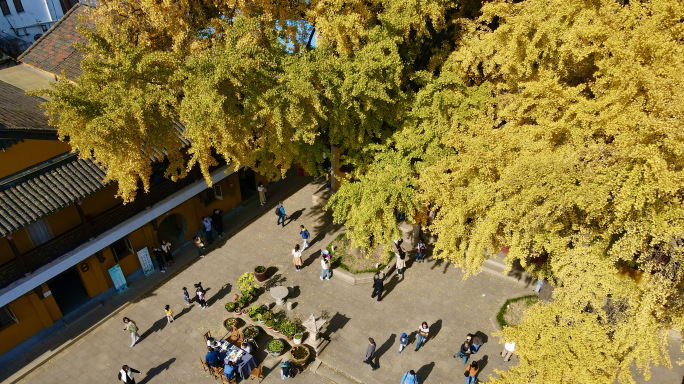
{"x": 297, "y": 258}
{"x": 325, "y": 268}
{"x": 509, "y": 348}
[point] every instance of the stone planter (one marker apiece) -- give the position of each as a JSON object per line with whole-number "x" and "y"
{"x": 300, "y": 354}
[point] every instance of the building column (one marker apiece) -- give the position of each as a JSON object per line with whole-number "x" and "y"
{"x": 21, "y": 264}
{"x": 86, "y": 224}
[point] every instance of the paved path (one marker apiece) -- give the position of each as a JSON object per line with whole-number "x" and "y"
{"x": 169, "y": 353}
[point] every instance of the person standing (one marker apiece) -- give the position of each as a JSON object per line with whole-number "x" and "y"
{"x": 169, "y": 314}
{"x": 325, "y": 268}
{"x": 126, "y": 374}
{"x": 186, "y": 295}
{"x": 206, "y": 220}
{"x": 166, "y": 248}
{"x": 470, "y": 372}
{"x": 403, "y": 342}
{"x": 217, "y": 222}
{"x": 200, "y": 297}
{"x": 378, "y": 284}
{"x": 199, "y": 244}
{"x": 159, "y": 256}
{"x": 305, "y": 236}
{"x": 509, "y": 348}
{"x": 262, "y": 193}
{"x": 297, "y": 258}
{"x": 280, "y": 211}
{"x": 420, "y": 251}
{"x": 132, "y": 327}
{"x": 370, "y": 354}
{"x": 410, "y": 377}
{"x": 401, "y": 264}
{"x": 423, "y": 332}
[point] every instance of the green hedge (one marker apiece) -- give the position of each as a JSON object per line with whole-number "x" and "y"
{"x": 504, "y": 307}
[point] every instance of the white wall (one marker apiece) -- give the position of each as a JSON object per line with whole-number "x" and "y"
{"x": 37, "y": 15}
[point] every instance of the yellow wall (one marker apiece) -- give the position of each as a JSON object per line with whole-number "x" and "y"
{"x": 22, "y": 241}
{"x": 33, "y": 314}
{"x": 93, "y": 278}
{"x": 29, "y": 152}
{"x": 101, "y": 201}
{"x": 63, "y": 220}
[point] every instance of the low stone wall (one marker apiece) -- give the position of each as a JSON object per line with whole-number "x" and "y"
{"x": 361, "y": 278}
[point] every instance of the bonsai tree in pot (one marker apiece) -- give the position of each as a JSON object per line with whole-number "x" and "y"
{"x": 251, "y": 332}
{"x": 231, "y": 323}
{"x": 246, "y": 283}
{"x": 230, "y": 307}
{"x": 260, "y": 273}
{"x": 275, "y": 347}
{"x": 243, "y": 301}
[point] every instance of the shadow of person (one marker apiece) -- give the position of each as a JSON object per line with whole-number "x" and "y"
{"x": 390, "y": 284}
{"x": 425, "y": 371}
{"x": 222, "y": 292}
{"x": 435, "y": 328}
{"x": 312, "y": 258}
{"x": 482, "y": 336}
{"x": 384, "y": 347}
{"x": 316, "y": 238}
{"x": 157, "y": 326}
{"x": 152, "y": 372}
{"x": 482, "y": 363}
{"x": 183, "y": 312}
{"x": 412, "y": 337}
{"x": 294, "y": 216}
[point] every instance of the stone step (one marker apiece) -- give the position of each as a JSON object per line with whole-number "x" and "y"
{"x": 331, "y": 374}
{"x": 497, "y": 268}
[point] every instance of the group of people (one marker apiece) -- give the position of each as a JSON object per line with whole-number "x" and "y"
{"x": 218, "y": 357}
{"x": 210, "y": 224}
{"x": 163, "y": 256}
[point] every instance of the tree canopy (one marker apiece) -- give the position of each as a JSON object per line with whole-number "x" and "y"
{"x": 551, "y": 127}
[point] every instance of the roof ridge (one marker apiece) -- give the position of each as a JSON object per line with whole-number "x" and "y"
{"x": 49, "y": 31}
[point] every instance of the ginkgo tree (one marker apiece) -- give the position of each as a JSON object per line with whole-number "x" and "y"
{"x": 551, "y": 127}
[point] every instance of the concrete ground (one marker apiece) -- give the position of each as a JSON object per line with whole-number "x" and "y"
{"x": 433, "y": 292}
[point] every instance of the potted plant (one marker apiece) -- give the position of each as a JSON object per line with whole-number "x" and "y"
{"x": 264, "y": 317}
{"x": 299, "y": 354}
{"x": 231, "y": 323}
{"x": 260, "y": 273}
{"x": 251, "y": 332}
{"x": 230, "y": 307}
{"x": 287, "y": 328}
{"x": 297, "y": 338}
{"x": 270, "y": 323}
{"x": 255, "y": 310}
{"x": 243, "y": 301}
{"x": 275, "y": 347}
{"x": 246, "y": 282}
{"x": 245, "y": 311}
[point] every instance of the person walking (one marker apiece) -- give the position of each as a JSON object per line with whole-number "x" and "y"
{"x": 420, "y": 251}
{"x": 132, "y": 327}
{"x": 423, "y": 332}
{"x": 378, "y": 284}
{"x": 280, "y": 211}
{"x": 126, "y": 374}
{"x": 403, "y": 342}
{"x": 199, "y": 243}
{"x": 200, "y": 297}
{"x": 297, "y": 258}
{"x": 262, "y": 193}
{"x": 325, "y": 268}
{"x": 169, "y": 314}
{"x": 305, "y": 236}
{"x": 370, "y": 354}
{"x": 465, "y": 351}
{"x": 470, "y": 372}
{"x": 401, "y": 264}
{"x": 159, "y": 256}
{"x": 186, "y": 295}
{"x": 166, "y": 248}
{"x": 217, "y": 222}
{"x": 509, "y": 348}
{"x": 206, "y": 221}
{"x": 410, "y": 377}
{"x": 396, "y": 246}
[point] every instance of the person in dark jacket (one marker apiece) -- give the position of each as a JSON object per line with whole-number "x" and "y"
{"x": 217, "y": 222}
{"x": 213, "y": 358}
{"x": 370, "y": 354}
{"x": 126, "y": 374}
{"x": 378, "y": 285}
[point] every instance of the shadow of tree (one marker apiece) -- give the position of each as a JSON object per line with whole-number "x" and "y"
{"x": 425, "y": 371}
{"x": 220, "y": 294}
{"x": 152, "y": 372}
{"x": 276, "y": 280}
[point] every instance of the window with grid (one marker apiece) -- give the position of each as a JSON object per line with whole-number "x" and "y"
{"x": 121, "y": 248}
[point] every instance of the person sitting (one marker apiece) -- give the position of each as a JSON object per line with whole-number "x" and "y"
{"x": 246, "y": 347}
{"x": 213, "y": 358}
{"x": 213, "y": 344}
{"x": 229, "y": 370}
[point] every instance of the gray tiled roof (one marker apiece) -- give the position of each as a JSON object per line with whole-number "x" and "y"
{"x": 19, "y": 111}
{"x": 46, "y": 188}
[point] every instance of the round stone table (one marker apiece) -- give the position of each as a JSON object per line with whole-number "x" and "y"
{"x": 279, "y": 294}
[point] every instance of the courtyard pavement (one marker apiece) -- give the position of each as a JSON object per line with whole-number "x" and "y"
{"x": 170, "y": 353}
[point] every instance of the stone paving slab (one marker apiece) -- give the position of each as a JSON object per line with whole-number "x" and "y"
{"x": 433, "y": 291}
